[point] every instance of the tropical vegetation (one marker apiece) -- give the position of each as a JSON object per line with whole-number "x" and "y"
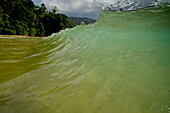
{"x": 23, "y": 17}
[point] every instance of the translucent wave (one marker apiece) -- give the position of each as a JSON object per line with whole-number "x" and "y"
{"x": 127, "y": 5}
{"x": 121, "y": 63}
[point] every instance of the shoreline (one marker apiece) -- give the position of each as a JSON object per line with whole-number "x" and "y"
{"x": 17, "y": 36}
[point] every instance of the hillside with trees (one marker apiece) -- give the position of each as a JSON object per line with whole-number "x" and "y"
{"x": 23, "y": 17}
{"x": 79, "y": 20}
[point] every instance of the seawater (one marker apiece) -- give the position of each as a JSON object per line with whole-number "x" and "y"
{"x": 120, "y": 64}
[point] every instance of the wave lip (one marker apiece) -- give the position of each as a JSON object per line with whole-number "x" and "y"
{"x": 128, "y": 5}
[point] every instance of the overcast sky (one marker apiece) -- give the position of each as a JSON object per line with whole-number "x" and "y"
{"x": 74, "y": 8}
{"x": 91, "y": 8}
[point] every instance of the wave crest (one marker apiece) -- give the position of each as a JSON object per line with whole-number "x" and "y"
{"x": 127, "y": 5}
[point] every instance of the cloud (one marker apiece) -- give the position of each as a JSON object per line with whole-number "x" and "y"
{"x": 81, "y": 8}
{"x": 90, "y": 8}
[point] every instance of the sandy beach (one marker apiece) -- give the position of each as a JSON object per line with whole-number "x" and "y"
{"x": 16, "y": 36}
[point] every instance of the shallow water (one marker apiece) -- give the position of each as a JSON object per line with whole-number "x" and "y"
{"x": 120, "y": 64}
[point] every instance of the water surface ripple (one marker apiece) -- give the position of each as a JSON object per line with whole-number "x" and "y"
{"x": 120, "y": 64}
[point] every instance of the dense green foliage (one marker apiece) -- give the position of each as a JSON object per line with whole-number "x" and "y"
{"x": 23, "y": 17}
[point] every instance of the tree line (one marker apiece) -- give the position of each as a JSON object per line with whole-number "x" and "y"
{"x": 23, "y": 17}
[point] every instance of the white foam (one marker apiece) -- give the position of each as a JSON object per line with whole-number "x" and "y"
{"x": 127, "y": 5}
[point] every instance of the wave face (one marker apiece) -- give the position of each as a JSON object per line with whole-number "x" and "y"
{"x": 120, "y": 64}
{"x": 128, "y": 5}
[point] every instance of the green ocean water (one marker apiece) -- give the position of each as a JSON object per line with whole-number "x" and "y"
{"x": 120, "y": 64}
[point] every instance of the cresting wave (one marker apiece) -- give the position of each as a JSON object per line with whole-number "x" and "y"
{"x": 128, "y": 5}
{"x": 120, "y": 64}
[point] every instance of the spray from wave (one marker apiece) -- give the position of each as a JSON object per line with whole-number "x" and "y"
{"x": 127, "y": 5}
